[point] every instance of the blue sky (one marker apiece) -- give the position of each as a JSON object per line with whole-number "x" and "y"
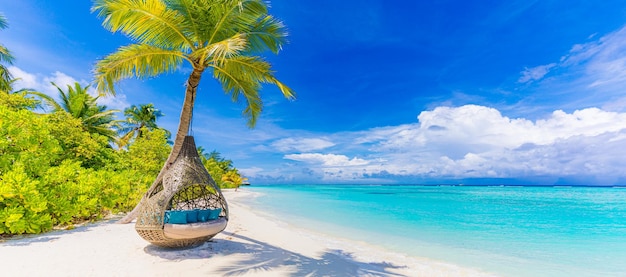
{"x": 524, "y": 92}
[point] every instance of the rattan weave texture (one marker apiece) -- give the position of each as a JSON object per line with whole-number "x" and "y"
{"x": 186, "y": 185}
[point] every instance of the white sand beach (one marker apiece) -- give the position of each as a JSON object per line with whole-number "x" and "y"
{"x": 251, "y": 245}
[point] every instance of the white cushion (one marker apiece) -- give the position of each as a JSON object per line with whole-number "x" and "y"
{"x": 194, "y": 230}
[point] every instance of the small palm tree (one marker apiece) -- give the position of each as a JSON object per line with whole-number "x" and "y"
{"x": 138, "y": 117}
{"x": 223, "y": 37}
{"x": 232, "y": 178}
{"x": 203, "y": 156}
{"x": 96, "y": 119}
{"x": 5, "y": 57}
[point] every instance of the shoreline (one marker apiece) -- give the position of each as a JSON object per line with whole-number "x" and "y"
{"x": 251, "y": 245}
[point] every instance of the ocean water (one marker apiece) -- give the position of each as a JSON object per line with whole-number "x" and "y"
{"x": 509, "y": 231}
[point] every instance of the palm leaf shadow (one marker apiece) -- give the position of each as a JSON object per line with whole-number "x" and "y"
{"x": 257, "y": 257}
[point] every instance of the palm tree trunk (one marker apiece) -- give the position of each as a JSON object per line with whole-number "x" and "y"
{"x": 183, "y": 128}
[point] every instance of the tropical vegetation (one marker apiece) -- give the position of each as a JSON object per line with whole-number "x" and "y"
{"x": 5, "y": 57}
{"x": 55, "y": 172}
{"x": 138, "y": 118}
{"x": 77, "y": 102}
{"x": 59, "y": 168}
{"x": 223, "y": 37}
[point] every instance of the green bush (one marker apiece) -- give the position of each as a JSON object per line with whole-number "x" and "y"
{"x": 55, "y": 173}
{"x": 23, "y": 206}
{"x": 52, "y": 172}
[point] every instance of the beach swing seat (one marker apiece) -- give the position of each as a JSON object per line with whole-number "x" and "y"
{"x": 187, "y": 208}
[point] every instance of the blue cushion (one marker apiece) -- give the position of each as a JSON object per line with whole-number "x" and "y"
{"x": 192, "y": 216}
{"x": 203, "y": 215}
{"x": 175, "y": 217}
{"x": 215, "y": 214}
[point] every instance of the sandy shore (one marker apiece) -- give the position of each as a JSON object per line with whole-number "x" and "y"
{"x": 251, "y": 245}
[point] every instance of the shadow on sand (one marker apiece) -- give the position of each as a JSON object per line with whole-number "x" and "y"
{"x": 263, "y": 257}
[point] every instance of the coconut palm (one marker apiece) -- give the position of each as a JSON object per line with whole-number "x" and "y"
{"x": 223, "y": 37}
{"x": 5, "y": 57}
{"x": 96, "y": 119}
{"x": 138, "y": 117}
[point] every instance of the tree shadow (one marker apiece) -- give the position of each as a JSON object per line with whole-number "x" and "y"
{"x": 262, "y": 257}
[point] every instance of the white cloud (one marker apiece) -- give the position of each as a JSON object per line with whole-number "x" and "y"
{"x": 25, "y": 79}
{"x": 327, "y": 159}
{"x": 117, "y": 102}
{"x": 44, "y": 84}
{"x": 302, "y": 144}
{"x": 590, "y": 74}
{"x": 477, "y": 141}
{"x": 62, "y": 80}
{"x": 535, "y": 73}
{"x": 604, "y": 59}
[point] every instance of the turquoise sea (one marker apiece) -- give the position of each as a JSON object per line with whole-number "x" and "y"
{"x": 509, "y": 231}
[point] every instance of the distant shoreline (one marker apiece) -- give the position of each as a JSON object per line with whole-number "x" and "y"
{"x": 453, "y": 185}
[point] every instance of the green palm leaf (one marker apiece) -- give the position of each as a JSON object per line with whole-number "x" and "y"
{"x": 243, "y": 76}
{"x": 77, "y": 102}
{"x": 137, "y": 118}
{"x": 5, "y": 57}
{"x": 139, "y": 60}
{"x": 220, "y": 35}
{"x": 147, "y": 21}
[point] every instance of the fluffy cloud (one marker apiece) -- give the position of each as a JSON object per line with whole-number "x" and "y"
{"x": 479, "y": 142}
{"x": 330, "y": 160}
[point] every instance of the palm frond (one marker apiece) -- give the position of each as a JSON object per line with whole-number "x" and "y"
{"x": 239, "y": 79}
{"x": 106, "y": 115}
{"x": 46, "y": 100}
{"x": 6, "y": 79}
{"x": 139, "y": 60}
{"x": 198, "y": 22}
{"x": 3, "y": 21}
{"x": 221, "y": 50}
{"x": 5, "y": 55}
{"x": 235, "y": 17}
{"x": 268, "y": 33}
{"x": 147, "y": 21}
{"x": 256, "y": 68}
{"x": 243, "y": 76}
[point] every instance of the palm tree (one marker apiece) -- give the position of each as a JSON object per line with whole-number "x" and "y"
{"x": 5, "y": 57}
{"x": 96, "y": 119}
{"x": 203, "y": 156}
{"x": 136, "y": 119}
{"x": 221, "y": 36}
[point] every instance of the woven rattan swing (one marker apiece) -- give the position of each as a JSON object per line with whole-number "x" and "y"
{"x": 187, "y": 208}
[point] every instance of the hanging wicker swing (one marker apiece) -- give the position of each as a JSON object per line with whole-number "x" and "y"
{"x": 187, "y": 208}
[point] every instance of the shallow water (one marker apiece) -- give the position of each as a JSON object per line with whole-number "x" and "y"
{"x": 510, "y": 231}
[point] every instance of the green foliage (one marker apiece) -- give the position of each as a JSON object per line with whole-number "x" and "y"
{"x": 136, "y": 119}
{"x": 92, "y": 150}
{"x": 148, "y": 153}
{"x": 224, "y": 37}
{"x": 94, "y": 118}
{"x": 16, "y": 101}
{"x": 221, "y": 169}
{"x": 22, "y": 206}
{"x": 26, "y": 139}
{"x": 5, "y": 57}
{"x": 53, "y": 172}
